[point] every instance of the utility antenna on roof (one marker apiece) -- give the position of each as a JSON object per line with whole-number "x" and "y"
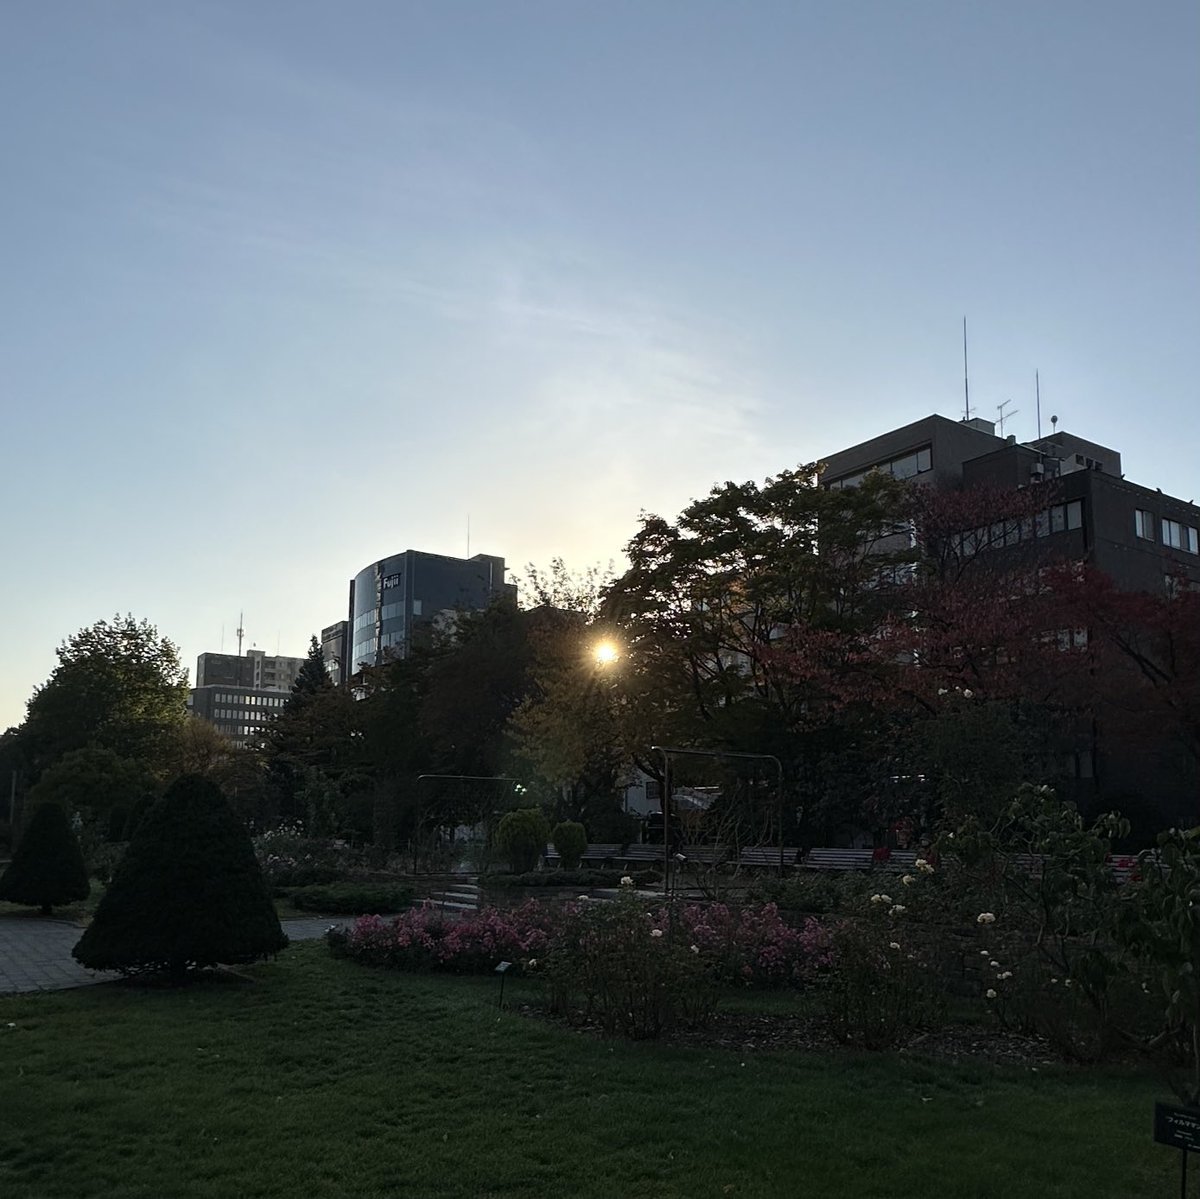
{"x": 240, "y": 633}
{"x": 966, "y": 384}
{"x": 1037, "y": 383}
{"x": 1005, "y": 415}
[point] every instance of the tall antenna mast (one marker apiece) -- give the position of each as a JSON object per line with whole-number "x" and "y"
{"x": 1037, "y": 382}
{"x": 966, "y": 385}
{"x": 240, "y": 633}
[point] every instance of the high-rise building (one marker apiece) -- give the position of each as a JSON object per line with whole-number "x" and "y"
{"x": 397, "y": 600}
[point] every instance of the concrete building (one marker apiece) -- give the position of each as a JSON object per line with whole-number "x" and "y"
{"x": 254, "y": 669}
{"x": 240, "y": 693}
{"x": 240, "y": 713}
{"x": 1140, "y": 538}
{"x": 397, "y": 600}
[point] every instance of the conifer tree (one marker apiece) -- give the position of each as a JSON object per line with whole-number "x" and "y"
{"x": 188, "y": 893}
{"x": 47, "y": 868}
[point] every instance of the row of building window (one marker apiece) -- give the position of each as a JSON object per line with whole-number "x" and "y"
{"x": 905, "y": 467}
{"x": 239, "y": 714}
{"x": 1174, "y": 533}
{"x": 251, "y": 701}
{"x": 1058, "y": 518}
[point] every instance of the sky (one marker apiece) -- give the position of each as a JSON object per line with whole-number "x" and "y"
{"x": 288, "y": 287}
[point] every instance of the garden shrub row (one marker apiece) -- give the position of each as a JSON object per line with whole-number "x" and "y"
{"x": 352, "y": 898}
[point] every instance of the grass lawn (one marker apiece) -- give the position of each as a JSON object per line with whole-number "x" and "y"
{"x": 319, "y": 1078}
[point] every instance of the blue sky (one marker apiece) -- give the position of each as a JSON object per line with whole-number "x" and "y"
{"x": 289, "y": 287}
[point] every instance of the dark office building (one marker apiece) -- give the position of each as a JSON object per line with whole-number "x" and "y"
{"x": 334, "y": 649}
{"x": 1140, "y": 538}
{"x": 397, "y": 600}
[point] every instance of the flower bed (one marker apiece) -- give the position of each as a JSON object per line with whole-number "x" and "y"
{"x": 751, "y": 946}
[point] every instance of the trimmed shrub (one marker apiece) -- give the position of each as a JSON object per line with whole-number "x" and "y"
{"x": 352, "y": 899}
{"x": 188, "y": 893}
{"x": 47, "y": 869}
{"x": 572, "y": 878}
{"x": 521, "y": 838}
{"x": 570, "y": 839}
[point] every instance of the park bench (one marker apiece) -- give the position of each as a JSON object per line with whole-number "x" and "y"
{"x": 767, "y": 857}
{"x": 838, "y": 859}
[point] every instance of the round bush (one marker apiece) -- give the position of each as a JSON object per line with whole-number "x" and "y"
{"x": 521, "y": 837}
{"x": 570, "y": 839}
{"x": 47, "y": 868}
{"x": 187, "y": 894}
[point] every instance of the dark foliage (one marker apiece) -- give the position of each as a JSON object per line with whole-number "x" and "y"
{"x": 189, "y": 892}
{"x": 352, "y": 899}
{"x": 47, "y": 868}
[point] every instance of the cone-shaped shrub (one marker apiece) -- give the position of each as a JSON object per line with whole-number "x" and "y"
{"x": 188, "y": 893}
{"x": 47, "y": 868}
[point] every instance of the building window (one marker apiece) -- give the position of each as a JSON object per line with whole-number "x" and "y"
{"x": 1180, "y": 537}
{"x": 1143, "y": 523}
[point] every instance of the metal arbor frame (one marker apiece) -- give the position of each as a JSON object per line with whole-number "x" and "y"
{"x": 668, "y": 752}
{"x": 518, "y": 785}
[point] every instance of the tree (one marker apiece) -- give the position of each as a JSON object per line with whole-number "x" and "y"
{"x": 188, "y": 894}
{"x": 521, "y": 837}
{"x": 118, "y": 686}
{"x": 313, "y": 676}
{"x": 98, "y": 785}
{"x": 750, "y": 619}
{"x": 47, "y": 868}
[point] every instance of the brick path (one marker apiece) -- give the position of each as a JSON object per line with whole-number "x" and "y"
{"x": 35, "y": 952}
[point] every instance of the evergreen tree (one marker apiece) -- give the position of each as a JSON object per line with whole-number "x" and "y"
{"x": 188, "y": 894}
{"x": 313, "y": 677}
{"x": 47, "y": 868}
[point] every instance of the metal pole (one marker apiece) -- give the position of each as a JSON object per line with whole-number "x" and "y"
{"x": 666, "y": 807}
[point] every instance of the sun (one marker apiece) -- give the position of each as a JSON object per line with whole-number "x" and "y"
{"x": 606, "y": 653}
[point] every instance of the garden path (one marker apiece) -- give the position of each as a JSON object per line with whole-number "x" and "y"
{"x": 35, "y": 952}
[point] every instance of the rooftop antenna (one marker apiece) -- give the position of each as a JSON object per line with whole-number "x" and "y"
{"x": 1053, "y": 425}
{"x": 468, "y": 534}
{"x": 1005, "y": 415}
{"x": 1037, "y": 382}
{"x": 966, "y": 385}
{"x": 222, "y": 636}
{"x": 240, "y": 633}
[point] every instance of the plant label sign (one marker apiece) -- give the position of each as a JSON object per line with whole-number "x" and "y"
{"x": 1177, "y": 1126}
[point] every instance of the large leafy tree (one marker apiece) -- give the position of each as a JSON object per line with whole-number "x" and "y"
{"x": 97, "y": 784}
{"x": 118, "y": 685}
{"x": 749, "y": 618}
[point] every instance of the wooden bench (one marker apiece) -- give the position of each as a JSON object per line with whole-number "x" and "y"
{"x": 838, "y": 859}
{"x": 768, "y": 857}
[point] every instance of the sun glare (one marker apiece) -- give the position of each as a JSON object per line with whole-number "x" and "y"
{"x": 606, "y": 653}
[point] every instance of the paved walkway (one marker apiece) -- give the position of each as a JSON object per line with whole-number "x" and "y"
{"x": 35, "y": 952}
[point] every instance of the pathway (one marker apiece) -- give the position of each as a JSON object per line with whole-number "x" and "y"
{"x": 35, "y": 952}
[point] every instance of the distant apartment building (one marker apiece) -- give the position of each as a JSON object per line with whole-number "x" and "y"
{"x": 398, "y": 600}
{"x": 239, "y": 693}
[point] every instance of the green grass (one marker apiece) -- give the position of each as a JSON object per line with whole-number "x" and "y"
{"x": 80, "y": 912}
{"x": 320, "y": 1078}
